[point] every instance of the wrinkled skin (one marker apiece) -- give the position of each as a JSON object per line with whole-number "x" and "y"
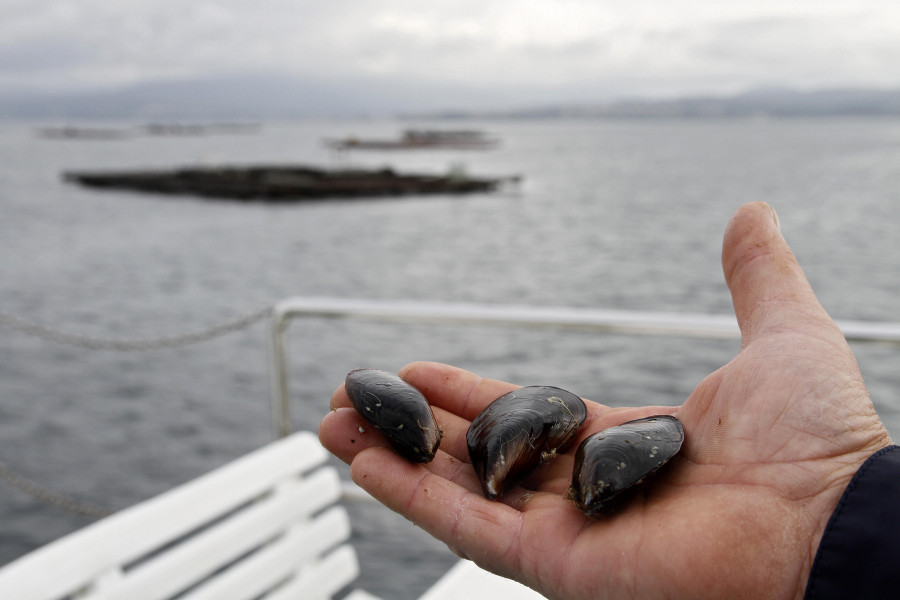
{"x": 772, "y": 439}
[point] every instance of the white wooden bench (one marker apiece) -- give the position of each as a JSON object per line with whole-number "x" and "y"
{"x": 262, "y": 524}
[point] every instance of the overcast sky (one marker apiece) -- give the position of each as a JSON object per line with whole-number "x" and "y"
{"x": 591, "y": 49}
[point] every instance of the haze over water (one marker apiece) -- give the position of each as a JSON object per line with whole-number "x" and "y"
{"x": 610, "y": 214}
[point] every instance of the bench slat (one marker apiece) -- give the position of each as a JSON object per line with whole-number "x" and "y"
{"x": 195, "y": 559}
{"x": 320, "y": 583}
{"x": 276, "y": 563}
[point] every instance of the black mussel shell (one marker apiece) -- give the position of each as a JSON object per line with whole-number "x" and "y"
{"x": 396, "y": 409}
{"x": 520, "y": 430}
{"x": 611, "y": 465}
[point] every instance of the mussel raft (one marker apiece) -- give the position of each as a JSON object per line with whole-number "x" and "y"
{"x": 396, "y": 409}
{"x": 287, "y": 183}
{"x": 519, "y": 431}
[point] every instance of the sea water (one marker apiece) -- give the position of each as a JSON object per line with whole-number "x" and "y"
{"x": 609, "y": 214}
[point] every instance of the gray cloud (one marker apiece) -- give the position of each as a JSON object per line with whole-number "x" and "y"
{"x": 645, "y": 46}
{"x": 802, "y": 51}
{"x": 52, "y": 56}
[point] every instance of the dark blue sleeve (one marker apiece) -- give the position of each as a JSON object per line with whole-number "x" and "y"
{"x": 858, "y": 556}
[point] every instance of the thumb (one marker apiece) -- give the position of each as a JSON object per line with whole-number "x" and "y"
{"x": 768, "y": 288}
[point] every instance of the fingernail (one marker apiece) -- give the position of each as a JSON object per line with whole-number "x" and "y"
{"x": 775, "y": 217}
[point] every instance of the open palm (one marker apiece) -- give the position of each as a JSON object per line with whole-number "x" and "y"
{"x": 771, "y": 441}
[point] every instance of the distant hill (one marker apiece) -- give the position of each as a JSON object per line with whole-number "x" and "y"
{"x": 248, "y": 97}
{"x": 215, "y": 98}
{"x": 773, "y": 102}
{"x": 275, "y": 96}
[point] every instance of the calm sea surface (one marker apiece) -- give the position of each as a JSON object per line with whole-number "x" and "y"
{"x": 624, "y": 215}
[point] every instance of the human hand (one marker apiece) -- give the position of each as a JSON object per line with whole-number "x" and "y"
{"x": 771, "y": 440}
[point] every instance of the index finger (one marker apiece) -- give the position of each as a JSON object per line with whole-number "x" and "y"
{"x": 456, "y": 390}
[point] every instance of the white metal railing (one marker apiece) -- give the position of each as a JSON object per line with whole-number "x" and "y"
{"x": 612, "y": 321}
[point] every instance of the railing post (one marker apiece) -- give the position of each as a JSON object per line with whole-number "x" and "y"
{"x": 278, "y": 379}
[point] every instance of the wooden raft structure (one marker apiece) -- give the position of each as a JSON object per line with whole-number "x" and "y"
{"x": 286, "y": 184}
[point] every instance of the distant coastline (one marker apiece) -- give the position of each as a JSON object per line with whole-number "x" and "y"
{"x": 260, "y": 98}
{"x": 764, "y": 102}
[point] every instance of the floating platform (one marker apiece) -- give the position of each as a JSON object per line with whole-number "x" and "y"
{"x": 83, "y": 133}
{"x": 421, "y": 139}
{"x": 286, "y": 184}
{"x": 71, "y": 132}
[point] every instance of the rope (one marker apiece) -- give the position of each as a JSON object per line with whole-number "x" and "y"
{"x": 36, "y": 490}
{"x": 97, "y": 343}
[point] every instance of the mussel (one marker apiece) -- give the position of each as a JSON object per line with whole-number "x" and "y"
{"x": 520, "y": 430}
{"x": 611, "y": 465}
{"x": 396, "y": 409}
